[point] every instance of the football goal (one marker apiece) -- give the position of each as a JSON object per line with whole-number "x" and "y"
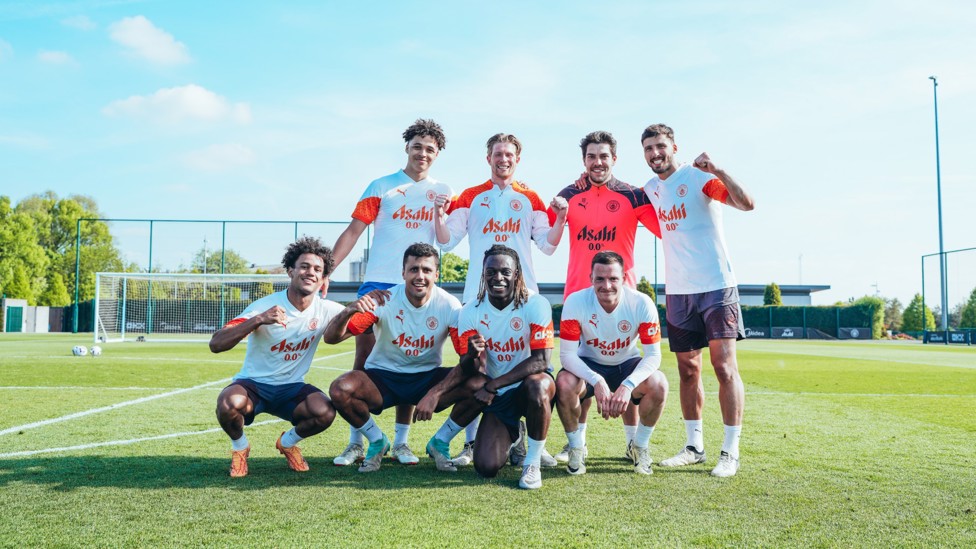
{"x": 173, "y": 307}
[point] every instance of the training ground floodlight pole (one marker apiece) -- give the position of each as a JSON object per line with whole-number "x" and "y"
{"x": 938, "y": 186}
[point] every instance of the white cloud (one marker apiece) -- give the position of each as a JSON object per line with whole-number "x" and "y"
{"x": 80, "y": 22}
{"x": 145, "y": 40}
{"x": 218, "y": 158}
{"x": 54, "y": 57}
{"x": 181, "y": 104}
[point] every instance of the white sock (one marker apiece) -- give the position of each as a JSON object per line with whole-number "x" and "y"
{"x": 643, "y": 436}
{"x": 290, "y": 438}
{"x": 371, "y": 431}
{"x": 731, "y": 443}
{"x": 240, "y": 444}
{"x": 533, "y": 451}
{"x": 575, "y": 439}
{"x": 630, "y": 431}
{"x": 582, "y": 432}
{"x": 400, "y": 432}
{"x": 355, "y": 437}
{"x": 448, "y": 431}
{"x": 693, "y": 428}
{"x": 472, "y": 429}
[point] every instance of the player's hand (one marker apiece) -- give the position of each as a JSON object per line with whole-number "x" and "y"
{"x": 441, "y": 203}
{"x": 369, "y": 302}
{"x": 704, "y": 163}
{"x": 483, "y": 396}
{"x": 274, "y": 315}
{"x": 602, "y": 394}
{"x": 380, "y": 297}
{"x": 426, "y": 407}
{"x": 582, "y": 183}
{"x": 560, "y": 206}
{"x": 476, "y": 346}
{"x": 619, "y": 400}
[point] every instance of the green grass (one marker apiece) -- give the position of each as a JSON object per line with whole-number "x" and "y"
{"x": 844, "y": 444}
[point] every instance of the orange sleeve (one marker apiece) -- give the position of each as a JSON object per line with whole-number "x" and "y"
{"x": 467, "y": 196}
{"x": 647, "y": 215}
{"x": 452, "y": 205}
{"x": 649, "y": 332}
{"x": 235, "y": 322}
{"x": 367, "y": 209}
{"x": 570, "y": 330}
{"x": 714, "y": 188}
{"x": 541, "y": 336}
{"x": 456, "y": 340}
{"x": 462, "y": 341}
{"x": 360, "y": 322}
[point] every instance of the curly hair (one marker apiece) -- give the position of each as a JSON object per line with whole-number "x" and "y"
{"x": 421, "y": 250}
{"x": 504, "y": 138}
{"x": 521, "y": 290}
{"x": 599, "y": 138}
{"x": 308, "y": 245}
{"x": 425, "y": 127}
{"x": 655, "y": 130}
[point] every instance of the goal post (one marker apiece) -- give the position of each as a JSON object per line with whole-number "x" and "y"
{"x": 174, "y": 307}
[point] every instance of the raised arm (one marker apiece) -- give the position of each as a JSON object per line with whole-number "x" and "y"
{"x": 738, "y": 197}
{"x": 229, "y": 336}
{"x": 346, "y": 241}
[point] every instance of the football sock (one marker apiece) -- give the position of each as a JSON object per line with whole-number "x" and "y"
{"x": 643, "y": 436}
{"x": 240, "y": 444}
{"x": 575, "y": 439}
{"x": 290, "y": 438}
{"x": 693, "y": 428}
{"x": 533, "y": 451}
{"x": 400, "y": 432}
{"x": 355, "y": 437}
{"x": 371, "y": 431}
{"x": 582, "y": 432}
{"x": 630, "y": 431}
{"x": 448, "y": 431}
{"x": 731, "y": 443}
{"x": 472, "y": 429}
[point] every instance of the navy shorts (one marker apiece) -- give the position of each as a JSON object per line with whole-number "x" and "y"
{"x": 695, "y": 319}
{"x": 404, "y": 388}
{"x": 613, "y": 375}
{"x": 277, "y": 400}
{"x": 505, "y": 407}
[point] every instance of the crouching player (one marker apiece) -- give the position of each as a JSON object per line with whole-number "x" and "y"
{"x": 411, "y": 322}
{"x": 598, "y": 336}
{"x": 514, "y": 326}
{"x": 283, "y": 331}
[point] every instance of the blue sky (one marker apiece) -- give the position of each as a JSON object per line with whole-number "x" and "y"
{"x": 267, "y": 111}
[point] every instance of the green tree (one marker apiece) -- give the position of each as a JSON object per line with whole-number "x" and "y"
{"x": 893, "y": 313}
{"x": 644, "y": 286}
{"x": 234, "y": 263}
{"x": 19, "y": 286}
{"x": 19, "y": 248}
{"x": 56, "y": 222}
{"x": 968, "y": 317}
{"x": 772, "y": 295}
{"x": 55, "y": 294}
{"x": 916, "y": 318}
{"x": 453, "y": 268}
{"x": 877, "y": 306}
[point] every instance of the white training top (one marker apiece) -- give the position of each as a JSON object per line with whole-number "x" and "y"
{"x": 510, "y": 334}
{"x": 488, "y": 215}
{"x": 409, "y": 339}
{"x": 689, "y": 210}
{"x": 279, "y": 354}
{"x": 403, "y": 212}
{"x": 610, "y": 338}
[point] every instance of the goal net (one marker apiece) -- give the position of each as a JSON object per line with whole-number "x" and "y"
{"x": 173, "y": 307}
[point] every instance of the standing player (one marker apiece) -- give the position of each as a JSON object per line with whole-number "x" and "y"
{"x": 603, "y": 215}
{"x": 499, "y": 211}
{"x": 702, "y": 296}
{"x": 411, "y": 325}
{"x": 598, "y": 335}
{"x": 515, "y": 327}
{"x": 401, "y": 206}
{"x": 283, "y": 331}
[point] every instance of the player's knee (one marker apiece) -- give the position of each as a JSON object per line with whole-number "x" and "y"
{"x": 474, "y": 383}
{"x": 538, "y": 389}
{"x": 567, "y": 388}
{"x": 726, "y": 372}
{"x": 341, "y": 391}
{"x": 486, "y": 470}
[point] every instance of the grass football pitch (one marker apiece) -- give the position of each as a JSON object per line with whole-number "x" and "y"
{"x": 844, "y": 444}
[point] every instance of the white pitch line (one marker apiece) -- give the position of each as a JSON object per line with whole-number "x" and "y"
{"x": 123, "y": 442}
{"x": 109, "y": 407}
{"x": 91, "y": 387}
{"x": 811, "y": 393}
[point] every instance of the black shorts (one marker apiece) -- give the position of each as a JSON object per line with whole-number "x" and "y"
{"x": 695, "y": 319}
{"x": 404, "y": 388}
{"x": 613, "y": 375}
{"x": 277, "y": 400}
{"x": 505, "y": 406}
